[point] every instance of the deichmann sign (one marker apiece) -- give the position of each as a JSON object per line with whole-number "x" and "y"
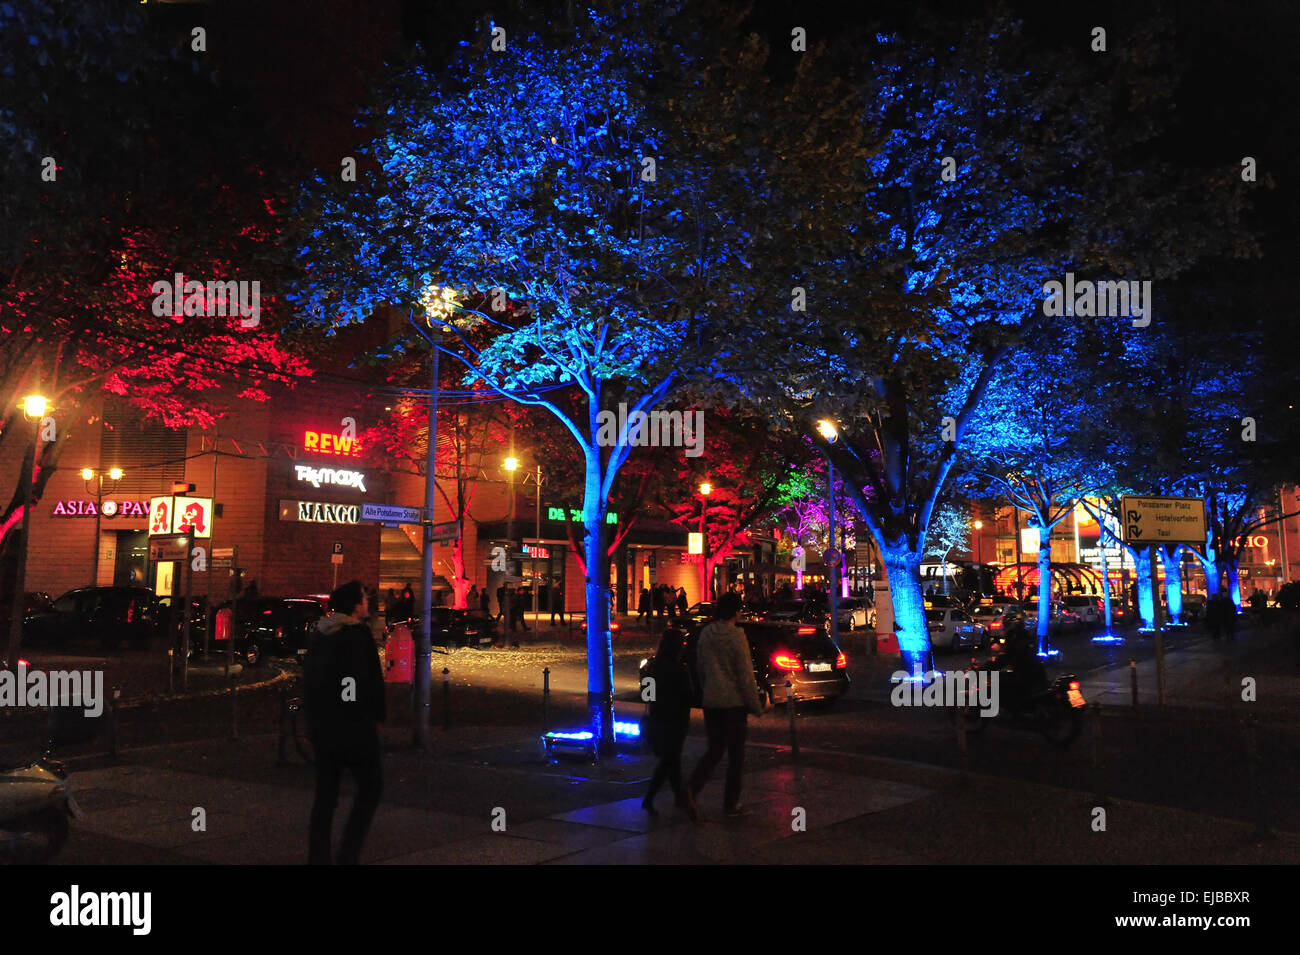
{"x": 1159, "y": 520}
{"x": 320, "y": 512}
{"x": 557, "y": 514}
{"x": 109, "y": 509}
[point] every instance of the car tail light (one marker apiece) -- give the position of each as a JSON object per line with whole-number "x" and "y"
{"x": 279, "y": 633}
{"x": 806, "y": 630}
{"x": 786, "y": 661}
{"x": 130, "y": 612}
{"x": 1074, "y": 684}
{"x": 841, "y": 661}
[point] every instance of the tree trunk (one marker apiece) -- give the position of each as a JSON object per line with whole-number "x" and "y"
{"x": 600, "y": 649}
{"x": 1173, "y": 564}
{"x": 903, "y": 565}
{"x": 1146, "y": 591}
{"x": 1044, "y": 587}
{"x": 1210, "y": 563}
{"x": 1230, "y": 568}
{"x": 459, "y": 583}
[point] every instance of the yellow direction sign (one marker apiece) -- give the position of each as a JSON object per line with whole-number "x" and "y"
{"x": 1162, "y": 520}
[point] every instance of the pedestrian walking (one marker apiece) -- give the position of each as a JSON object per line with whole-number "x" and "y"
{"x": 643, "y": 605}
{"x": 501, "y": 603}
{"x": 657, "y": 601}
{"x": 345, "y": 705}
{"x": 670, "y": 718}
{"x": 516, "y": 614}
{"x": 471, "y": 599}
{"x": 1229, "y": 618}
{"x": 557, "y": 604}
{"x": 729, "y": 694}
{"x": 1214, "y": 617}
{"x": 485, "y": 602}
{"x": 681, "y": 601}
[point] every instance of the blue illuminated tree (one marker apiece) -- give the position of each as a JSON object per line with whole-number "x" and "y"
{"x": 575, "y": 239}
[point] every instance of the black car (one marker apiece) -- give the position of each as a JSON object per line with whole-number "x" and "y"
{"x": 455, "y": 628}
{"x": 803, "y": 654}
{"x": 280, "y": 626}
{"x": 110, "y": 615}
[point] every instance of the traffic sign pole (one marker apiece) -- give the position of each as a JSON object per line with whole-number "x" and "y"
{"x": 1160, "y": 638}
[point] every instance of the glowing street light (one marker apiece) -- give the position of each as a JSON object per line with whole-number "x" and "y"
{"x": 512, "y": 464}
{"x": 88, "y": 475}
{"x": 705, "y": 490}
{"x": 826, "y": 428}
{"x": 35, "y": 406}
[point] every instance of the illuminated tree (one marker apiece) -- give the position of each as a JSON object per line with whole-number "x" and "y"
{"x": 592, "y": 231}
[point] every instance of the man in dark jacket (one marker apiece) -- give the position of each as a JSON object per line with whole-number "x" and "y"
{"x": 345, "y": 705}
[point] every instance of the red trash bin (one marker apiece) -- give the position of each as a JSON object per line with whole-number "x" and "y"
{"x": 400, "y": 653}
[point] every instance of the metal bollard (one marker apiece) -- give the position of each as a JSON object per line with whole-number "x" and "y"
{"x": 1098, "y": 753}
{"x": 546, "y": 700}
{"x": 171, "y": 672}
{"x": 112, "y": 720}
{"x": 1133, "y": 679}
{"x": 1253, "y": 774}
{"x": 789, "y": 705}
{"x": 446, "y": 698}
{"x": 234, "y": 711}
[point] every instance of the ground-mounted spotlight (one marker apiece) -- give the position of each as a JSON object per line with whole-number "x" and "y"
{"x": 583, "y": 744}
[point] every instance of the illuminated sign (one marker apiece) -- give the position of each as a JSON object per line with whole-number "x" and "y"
{"x": 109, "y": 509}
{"x": 1257, "y": 540}
{"x": 575, "y": 515}
{"x": 177, "y": 514}
{"x": 320, "y": 512}
{"x": 537, "y": 551}
{"x": 319, "y": 476}
{"x": 324, "y": 442}
{"x": 695, "y": 542}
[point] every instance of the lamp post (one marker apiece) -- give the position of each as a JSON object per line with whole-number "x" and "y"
{"x": 511, "y": 465}
{"x": 705, "y": 490}
{"x": 88, "y": 475}
{"x": 826, "y": 428}
{"x": 34, "y": 408}
{"x": 537, "y": 538}
{"x": 979, "y": 551}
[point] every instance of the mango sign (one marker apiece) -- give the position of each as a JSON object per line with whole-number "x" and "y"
{"x": 324, "y": 442}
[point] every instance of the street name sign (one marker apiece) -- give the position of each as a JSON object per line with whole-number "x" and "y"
{"x": 446, "y": 531}
{"x": 1162, "y": 520}
{"x": 390, "y": 513}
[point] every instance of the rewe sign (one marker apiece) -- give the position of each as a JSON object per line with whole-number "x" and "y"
{"x": 324, "y": 442}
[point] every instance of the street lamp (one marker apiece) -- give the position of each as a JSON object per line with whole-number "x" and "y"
{"x": 979, "y": 552}
{"x": 34, "y": 409}
{"x": 88, "y": 475}
{"x": 705, "y": 490}
{"x": 826, "y": 428}
{"x": 511, "y": 465}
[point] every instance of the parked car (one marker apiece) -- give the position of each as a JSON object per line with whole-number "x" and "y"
{"x": 942, "y": 602}
{"x": 989, "y": 616}
{"x": 279, "y": 626}
{"x": 453, "y": 628}
{"x": 1086, "y": 607}
{"x": 856, "y": 614}
{"x": 803, "y": 654}
{"x": 953, "y": 629}
{"x": 1059, "y": 617}
{"x": 1193, "y": 606}
{"x": 799, "y": 611}
{"x": 110, "y": 615}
